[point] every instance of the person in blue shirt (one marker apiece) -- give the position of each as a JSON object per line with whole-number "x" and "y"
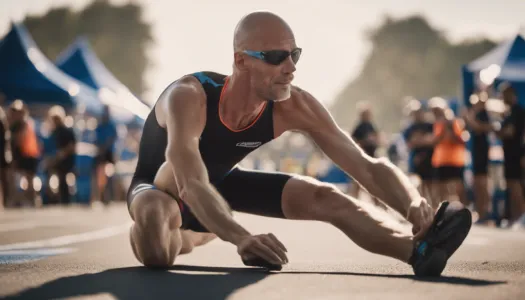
{"x": 106, "y": 136}
{"x": 419, "y": 140}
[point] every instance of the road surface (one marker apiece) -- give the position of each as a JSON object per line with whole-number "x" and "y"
{"x": 84, "y": 253}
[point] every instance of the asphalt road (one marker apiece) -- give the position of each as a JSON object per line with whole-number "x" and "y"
{"x": 84, "y": 253}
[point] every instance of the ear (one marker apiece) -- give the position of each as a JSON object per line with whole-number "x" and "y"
{"x": 240, "y": 61}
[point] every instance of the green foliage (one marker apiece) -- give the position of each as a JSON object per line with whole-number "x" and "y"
{"x": 408, "y": 58}
{"x": 118, "y": 34}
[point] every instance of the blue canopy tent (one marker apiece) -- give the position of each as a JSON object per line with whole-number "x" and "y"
{"x": 79, "y": 61}
{"x": 26, "y": 74}
{"x": 507, "y": 62}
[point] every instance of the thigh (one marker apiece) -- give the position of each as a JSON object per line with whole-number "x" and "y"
{"x": 254, "y": 192}
{"x": 143, "y": 196}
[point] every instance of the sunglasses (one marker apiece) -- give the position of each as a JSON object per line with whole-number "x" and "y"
{"x": 275, "y": 57}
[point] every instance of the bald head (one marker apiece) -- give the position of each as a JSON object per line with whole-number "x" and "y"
{"x": 258, "y": 29}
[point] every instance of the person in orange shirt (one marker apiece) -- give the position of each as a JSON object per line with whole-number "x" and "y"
{"x": 448, "y": 158}
{"x": 24, "y": 146}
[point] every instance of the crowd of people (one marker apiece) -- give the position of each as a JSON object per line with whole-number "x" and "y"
{"x": 39, "y": 156}
{"x": 444, "y": 147}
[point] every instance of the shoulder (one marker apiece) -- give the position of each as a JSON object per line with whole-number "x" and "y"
{"x": 301, "y": 103}
{"x": 303, "y": 112}
{"x": 183, "y": 95}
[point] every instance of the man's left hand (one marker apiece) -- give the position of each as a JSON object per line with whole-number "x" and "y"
{"x": 421, "y": 215}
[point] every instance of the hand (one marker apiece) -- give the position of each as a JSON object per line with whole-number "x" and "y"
{"x": 265, "y": 246}
{"x": 421, "y": 215}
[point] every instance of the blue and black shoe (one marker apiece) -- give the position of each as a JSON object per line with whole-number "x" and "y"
{"x": 449, "y": 229}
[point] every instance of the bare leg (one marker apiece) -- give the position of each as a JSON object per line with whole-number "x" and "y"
{"x": 155, "y": 236}
{"x": 428, "y": 190}
{"x": 305, "y": 198}
{"x": 459, "y": 191}
{"x": 441, "y": 192}
{"x": 192, "y": 239}
{"x": 164, "y": 221}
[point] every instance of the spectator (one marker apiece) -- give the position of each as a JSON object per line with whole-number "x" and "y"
{"x": 5, "y": 155}
{"x": 63, "y": 162}
{"x": 24, "y": 146}
{"x": 511, "y": 134}
{"x": 365, "y": 135}
{"x": 448, "y": 158}
{"x": 419, "y": 137}
{"x": 106, "y": 137}
{"x": 478, "y": 123}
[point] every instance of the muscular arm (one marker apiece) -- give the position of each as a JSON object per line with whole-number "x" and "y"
{"x": 185, "y": 111}
{"x": 378, "y": 176}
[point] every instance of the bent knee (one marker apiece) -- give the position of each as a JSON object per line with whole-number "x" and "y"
{"x": 155, "y": 247}
{"x": 156, "y": 208}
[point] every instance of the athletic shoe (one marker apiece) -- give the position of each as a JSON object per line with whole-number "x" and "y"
{"x": 449, "y": 229}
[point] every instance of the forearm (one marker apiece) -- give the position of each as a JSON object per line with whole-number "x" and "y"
{"x": 213, "y": 212}
{"x": 377, "y": 175}
{"x": 390, "y": 184}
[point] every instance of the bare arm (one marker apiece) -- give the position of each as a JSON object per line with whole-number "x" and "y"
{"x": 185, "y": 111}
{"x": 476, "y": 125}
{"x": 394, "y": 187}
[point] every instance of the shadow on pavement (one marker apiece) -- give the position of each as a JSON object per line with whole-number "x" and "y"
{"x": 143, "y": 283}
{"x": 442, "y": 279}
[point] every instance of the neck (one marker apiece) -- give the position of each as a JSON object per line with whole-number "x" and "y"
{"x": 239, "y": 105}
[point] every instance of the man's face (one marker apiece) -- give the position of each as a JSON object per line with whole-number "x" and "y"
{"x": 439, "y": 113}
{"x": 418, "y": 115}
{"x": 271, "y": 81}
{"x": 366, "y": 115}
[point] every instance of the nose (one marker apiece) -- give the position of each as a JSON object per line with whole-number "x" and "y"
{"x": 288, "y": 65}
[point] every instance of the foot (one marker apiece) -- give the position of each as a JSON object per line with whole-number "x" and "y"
{"x": 451, "y": 226}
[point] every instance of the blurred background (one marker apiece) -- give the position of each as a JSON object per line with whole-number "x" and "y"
{"x": 437, "y": 87}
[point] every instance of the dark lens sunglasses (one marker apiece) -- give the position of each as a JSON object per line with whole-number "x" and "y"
{"x": 275, "y": 57}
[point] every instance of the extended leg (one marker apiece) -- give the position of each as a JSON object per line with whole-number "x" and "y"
{"x": 305, "y": 198}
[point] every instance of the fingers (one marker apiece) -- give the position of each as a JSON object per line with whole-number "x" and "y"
{"x": 276, "y": 246}
{"x": 265, "y": 252}
{"x": 278, "y": 242}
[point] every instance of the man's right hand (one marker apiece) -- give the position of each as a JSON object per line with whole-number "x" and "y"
{"x": 265, "y": 246}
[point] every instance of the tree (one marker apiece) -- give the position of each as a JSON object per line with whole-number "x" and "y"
{"x": 408, "y": 58}
{"x": 118, "y": 34}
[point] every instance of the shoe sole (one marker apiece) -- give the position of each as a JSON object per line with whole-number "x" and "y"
{"x": 433, "y": 266}
{"x": 455, "y": 231}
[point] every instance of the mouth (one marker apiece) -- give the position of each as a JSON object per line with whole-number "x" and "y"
{"x": 287, "y": 81}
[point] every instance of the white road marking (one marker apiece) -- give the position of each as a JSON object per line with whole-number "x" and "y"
{"x": 23, "y": 256}
{"x": 44, "y": 251}
{"x": 70, "y": 239}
